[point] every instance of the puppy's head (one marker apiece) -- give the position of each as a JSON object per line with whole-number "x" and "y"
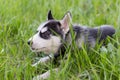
{"x": 49, "y": 34}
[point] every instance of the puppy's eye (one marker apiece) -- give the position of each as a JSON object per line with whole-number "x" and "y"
{"x": 45, "y": 35}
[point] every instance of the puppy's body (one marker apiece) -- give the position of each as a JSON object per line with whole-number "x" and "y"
{"x": 90, "y": 36}
{"x": 53, "y": 35}
{"x": 86, "y": 36}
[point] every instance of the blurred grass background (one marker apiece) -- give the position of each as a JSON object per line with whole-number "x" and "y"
{"x": 19, "y": 20}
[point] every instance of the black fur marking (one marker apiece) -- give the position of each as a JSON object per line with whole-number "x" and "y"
{"x": 45, "y": 35}
{"x": 79, "y": 30}
{"x": 106, "y": 31}
{"x": 55, "y": 28}
{"x": 50, "y": 17}
{"x": 101, "y": 33}
{"x": 94, "y": 33}
{"x": 61, "y": 52}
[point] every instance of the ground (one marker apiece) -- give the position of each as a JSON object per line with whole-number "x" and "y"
{"x": 19, "y": 20}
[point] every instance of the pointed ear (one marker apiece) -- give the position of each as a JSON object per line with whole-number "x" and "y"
{"x": 65, "y": 22}
{"x": 50, "y": 17}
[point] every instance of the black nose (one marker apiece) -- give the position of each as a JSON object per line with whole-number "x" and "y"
{"x": 29, "y": 42}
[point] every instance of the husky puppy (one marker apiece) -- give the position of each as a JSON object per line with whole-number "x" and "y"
{"x": 52, "y": 36}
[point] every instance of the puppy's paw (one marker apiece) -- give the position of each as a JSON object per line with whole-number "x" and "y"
{"x": 42, "y": 61}
{"x": 34, "y": 65}
{"x": 42, "y": 76}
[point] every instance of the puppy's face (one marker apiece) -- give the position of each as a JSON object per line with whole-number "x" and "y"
{"x": 49, "y": 34}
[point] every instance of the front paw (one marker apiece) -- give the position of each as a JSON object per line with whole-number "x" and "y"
{"x": 43, "y": 76}
{"x": 34, "y": 65}
{"x": 43, "y": 60}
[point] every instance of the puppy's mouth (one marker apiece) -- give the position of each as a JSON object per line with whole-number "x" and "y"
{"x": 43, "y": 49}
{"x": 38, "y": 48}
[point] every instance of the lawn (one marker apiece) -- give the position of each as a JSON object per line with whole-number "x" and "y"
{"x": 19, "y": 20}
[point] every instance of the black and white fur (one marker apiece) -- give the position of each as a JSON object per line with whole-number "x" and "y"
{"x": 52, "y": 35}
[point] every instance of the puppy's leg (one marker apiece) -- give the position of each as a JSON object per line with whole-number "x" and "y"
{"x": 43, "y": 60}
{"x": 45, "y": 75}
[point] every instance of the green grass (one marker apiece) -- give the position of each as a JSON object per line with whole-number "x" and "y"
{"x": 19, "y": 20}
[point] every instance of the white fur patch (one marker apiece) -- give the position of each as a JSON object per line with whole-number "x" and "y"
{"x": 42, "y": 25}
{"x": 44, "y": 29}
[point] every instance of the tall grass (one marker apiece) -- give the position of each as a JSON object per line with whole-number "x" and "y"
{"x": 19, "y": 20}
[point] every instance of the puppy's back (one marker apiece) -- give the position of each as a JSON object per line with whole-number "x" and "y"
{"x": 99, "y": 34}
{"x": 106, "y": 30}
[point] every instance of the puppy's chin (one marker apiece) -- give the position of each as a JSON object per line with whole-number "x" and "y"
{"x": 43, "y": 50}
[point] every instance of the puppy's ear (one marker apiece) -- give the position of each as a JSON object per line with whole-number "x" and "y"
{"x": 65, "y": 22}
{"x": 50, "y": 17}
